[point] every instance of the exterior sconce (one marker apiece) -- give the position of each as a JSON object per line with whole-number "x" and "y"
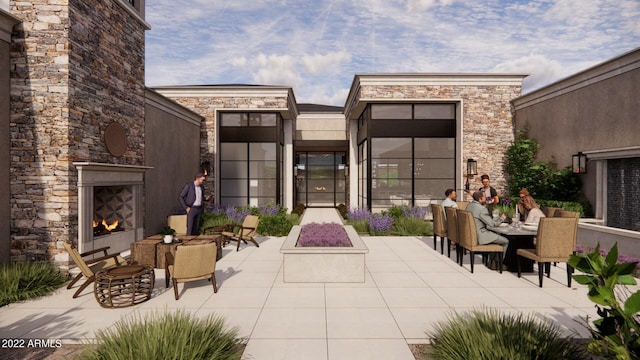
{"x": 472, "y": 170}
{"x": 205, "y": 167}
{"x": 346, "y": 170}
{"x": 579, "y": 163}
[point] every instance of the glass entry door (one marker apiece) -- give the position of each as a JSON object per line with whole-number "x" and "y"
{"x": 320, "y": 179}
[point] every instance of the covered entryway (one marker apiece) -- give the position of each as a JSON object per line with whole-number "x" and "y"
{"x": 320, "y": 178}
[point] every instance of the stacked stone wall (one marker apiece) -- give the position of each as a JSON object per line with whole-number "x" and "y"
{"x": 62, "y": 99}
{"x": 487, "y": 120}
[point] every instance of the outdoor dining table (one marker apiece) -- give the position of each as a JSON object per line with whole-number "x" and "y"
{"x": 519, "y": 238}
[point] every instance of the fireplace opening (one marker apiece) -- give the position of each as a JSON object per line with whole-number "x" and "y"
{"x": 103, "y": 227}
{"x": 113, "y": 209}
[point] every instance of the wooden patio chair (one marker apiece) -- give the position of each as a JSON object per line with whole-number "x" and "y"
{"x": 439, "y": 227}
{"x": 468, "y": 237}
{"x": 191, "y": 263}
{"x": 247, "y": 231}
{"x": 89, "y": 268}
{"x": 550, "y": 211}
{"x": 462, "y": 205}
{"x": 555, "y": 243}
{"x": 452, "y": 232}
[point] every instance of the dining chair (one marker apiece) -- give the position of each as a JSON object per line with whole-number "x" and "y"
{"x": 247, "y": 231}
{"x": 439, "y": 228}
{"x": 550, "y": 211}
{"x": 191, "y": 263}
{"x": 452, "y": 232}
{"x": 462, "y": 205}
{"x": 468, "y": 237}
{"x": 555, "y": 243}
{"x": 90, "y": 267}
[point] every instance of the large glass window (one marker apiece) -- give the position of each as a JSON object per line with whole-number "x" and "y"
{"x": 248, "y": 174}
{"x": 412, "y": 162}
{"x": 233, "y": 119}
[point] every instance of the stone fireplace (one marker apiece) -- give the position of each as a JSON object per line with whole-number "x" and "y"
{"x": 109, "y": 192}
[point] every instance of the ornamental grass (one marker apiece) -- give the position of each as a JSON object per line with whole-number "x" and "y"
{"x": 24, "y": 281}
{"x": 487, "y": 334}
{"x": 176, "y": 335}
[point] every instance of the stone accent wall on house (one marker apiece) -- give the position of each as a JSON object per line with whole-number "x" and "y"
{"x": 487, "y": 121}
{"x": 77, "y": 65}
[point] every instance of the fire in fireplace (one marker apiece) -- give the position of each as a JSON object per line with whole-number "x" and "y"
{"x": 103, "y": 228}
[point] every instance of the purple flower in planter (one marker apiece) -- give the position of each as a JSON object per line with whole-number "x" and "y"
{"x": 237, "y": 215}
{"x": 380, "y": 224}
{"x": 269, "y": 210}
{"x": 323, "y": 235}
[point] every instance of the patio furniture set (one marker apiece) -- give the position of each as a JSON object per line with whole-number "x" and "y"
{"x": 118, "y": 283}
{"x": 553, "y": 240}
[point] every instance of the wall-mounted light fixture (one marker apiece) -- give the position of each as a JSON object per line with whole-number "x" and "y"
{"x": 205, "y": 167}
{"x": 472, "y": 170}
{"x": 579, "y": 163}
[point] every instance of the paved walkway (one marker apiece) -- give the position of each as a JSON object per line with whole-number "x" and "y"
{"x": 409, "y": 287}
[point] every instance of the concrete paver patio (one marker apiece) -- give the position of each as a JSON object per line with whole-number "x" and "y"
{"x": 409, "y": 287}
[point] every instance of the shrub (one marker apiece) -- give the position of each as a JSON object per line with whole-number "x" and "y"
{"x": 325, "y": 234}
{"x": 483, "y": 334}
{"x": 24, "y": 281}
{"x": 360, "y": 226}
{"x": 175, "y": 335}
{"x": 275, "y": 225}
{"x": 380, "y": 224}
{"x": 541, "y": 178}
{"x": 617, "y": 331}
{"x": 298, "y": 209}
{"x": 342, "y": 209}
{"x": 408, "y": 226}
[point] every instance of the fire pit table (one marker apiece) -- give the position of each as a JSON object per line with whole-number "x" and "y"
{"x": 124, "y": 286}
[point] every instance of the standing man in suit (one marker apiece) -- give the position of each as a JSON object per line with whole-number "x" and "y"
{"x": 191, "y": 198}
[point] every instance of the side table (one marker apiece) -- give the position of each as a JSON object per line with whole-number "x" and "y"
{"x": 143, "y": 252}
{"x": 124, "y": 286}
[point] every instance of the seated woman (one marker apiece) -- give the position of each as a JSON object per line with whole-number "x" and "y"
{"x": 531, "y": 209}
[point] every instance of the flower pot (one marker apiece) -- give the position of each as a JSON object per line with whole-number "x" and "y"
{"x": 168, "y": 239}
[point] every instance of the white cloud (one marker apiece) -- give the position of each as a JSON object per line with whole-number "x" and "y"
{"x": 275, "y": 70}
{"x": 329, "y": 62}
{"x": 317, "y": 46}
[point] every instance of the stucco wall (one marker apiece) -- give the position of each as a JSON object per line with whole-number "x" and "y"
{"x": 173, "y": 150}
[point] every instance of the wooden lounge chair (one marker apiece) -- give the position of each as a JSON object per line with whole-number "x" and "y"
{"x": 468, "y": 237}
{"x": 439, "y": 226}
{"x": 555, "y": 243}
{"x": 191, "y": 263}
{"x": 247, "y": 231}
{"x": 89, "y": 268}
{"x": 452, "y": 232}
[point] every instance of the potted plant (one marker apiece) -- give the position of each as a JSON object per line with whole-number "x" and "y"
{"x": 168, "y": 234}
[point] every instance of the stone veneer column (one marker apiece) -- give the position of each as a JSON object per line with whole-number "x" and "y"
{"x": 78, "y": 65}
{"x": 7, "y": 22}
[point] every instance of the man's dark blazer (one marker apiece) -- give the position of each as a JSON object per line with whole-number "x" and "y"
{"x": 188, "y": 195}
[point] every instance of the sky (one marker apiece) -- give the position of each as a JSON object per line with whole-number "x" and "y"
{"x": 317, "y": 47}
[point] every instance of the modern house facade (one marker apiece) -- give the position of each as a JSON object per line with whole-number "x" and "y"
{"x": 89, "y": 148}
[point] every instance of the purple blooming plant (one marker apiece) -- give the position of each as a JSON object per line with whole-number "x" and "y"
{"x": 269, "y": 210}
{"x": 380, "y": 224}
{"x": 323, "y": 235}
{"x": 414, "y": 212}
{"x": 356, "y": 214}
{"x": 237, "y": 215}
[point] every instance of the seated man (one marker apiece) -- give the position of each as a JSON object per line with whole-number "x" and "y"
{"x": 483, "y": 219}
